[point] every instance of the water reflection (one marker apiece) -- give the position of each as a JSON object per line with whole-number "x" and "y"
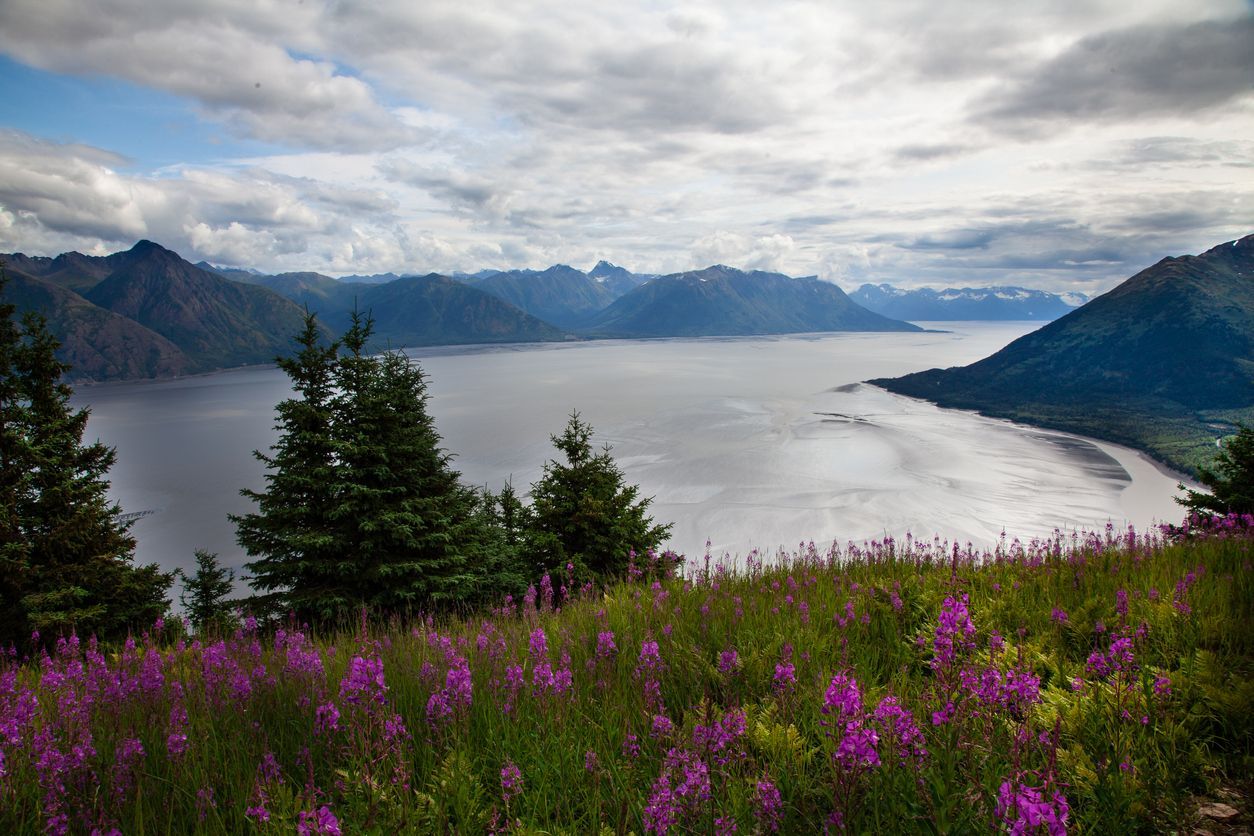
{"x": 746, "y": 442}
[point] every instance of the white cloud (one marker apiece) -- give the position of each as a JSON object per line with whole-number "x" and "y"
{"x": 63, "y": 193}
{"x": 913, "y": 142}
{"x": 70, "y": 189}
{"x": 764, "y": 252}
{"x": 237, "y": 63}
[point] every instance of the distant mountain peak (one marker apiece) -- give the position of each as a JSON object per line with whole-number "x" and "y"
{"x": 617, "y": 280}
{"x": 724, "y": 301}
{"x": 559, "y": 294}
{"x": 999, "y": 302}
{"x": 144, "y": 246}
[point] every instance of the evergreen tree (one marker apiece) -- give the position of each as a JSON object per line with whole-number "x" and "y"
{"x": 362, "y": 507}
{"x": 409, "y": 521}
{"x": 512, "y": 516}
{"x": 583, "y": 513}
{"x": 492, "y": 549}
{"x": 1230, "y": 479}
{"x": 67, "y": 556}
{"x": 15, "y": 458}
{"x": 299, "y": 554}
{"x": 205, "y": 595}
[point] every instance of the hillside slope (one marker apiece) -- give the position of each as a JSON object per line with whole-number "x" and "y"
{"x": 218, "y": 323}
{"x": 437, "y": 310}
{"x": 561, "y": 295}
{"x": 1163, "y": 362}
{"x": 98, "y": 344}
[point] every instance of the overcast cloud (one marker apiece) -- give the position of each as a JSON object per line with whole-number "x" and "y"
{"x": 1064, "y": 146}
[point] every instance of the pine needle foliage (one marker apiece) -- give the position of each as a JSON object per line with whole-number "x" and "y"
{"x": 362, "y": 506}
{"x": 583, "y": 513}
{"x": 402, "y": 513}
{"x": 298, "y": 556}
{"x": 65, "y": 554}
{"x": 206, "y": 593}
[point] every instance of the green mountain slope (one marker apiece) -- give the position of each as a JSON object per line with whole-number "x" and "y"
{"x": 218, "y": 323}
{"x": 98, "y": 344}
{"x": 321, "y": 294}
{"x": 724, "y": 301}
{"x": 1163, "y": 362}
{"x": 437, "y": 310}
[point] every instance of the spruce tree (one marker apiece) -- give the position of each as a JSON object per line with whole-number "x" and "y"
{"x": 206, "y": 593}
{"x": 299, "y": 556}
{"x": 407, "y": 519}
{"x": 583, "y": 513}
{"x": 362, "y": 507}
{"x": 15, "y": 474}
{"x": 1230, "y": 479}
{"x": 511, "y": 515}
{"x": 493, "y": 550}
{"x": 67, "y": 556}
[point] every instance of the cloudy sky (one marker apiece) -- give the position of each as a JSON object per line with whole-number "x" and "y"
{"x": 920, "y": 142}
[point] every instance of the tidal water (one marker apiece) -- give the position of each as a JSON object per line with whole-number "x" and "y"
{"x": 744, "y": 443}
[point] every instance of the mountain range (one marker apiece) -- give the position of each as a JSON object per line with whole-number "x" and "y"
{"x": 1164, "y": 362}
{"x": 724, "y": 301}
{"x": 147, "y": 312}
{"x": 561, "y": 295}
{"x": 966, "y": 303}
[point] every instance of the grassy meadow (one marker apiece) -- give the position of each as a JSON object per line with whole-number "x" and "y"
{"x": 1093, "y": 683}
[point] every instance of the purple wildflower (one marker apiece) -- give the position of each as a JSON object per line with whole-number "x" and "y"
{"x": 539, "y": 644}
{"x": 1162, "y": 687}
{"x": 605, "y": 645}
{"x": 682, "y": 788}
{"x": 458, "y": 683}
{"x": 843, "y": 698}
{"x": 785, "y": 677}
{"x": 326, "y": 719}
{"x": 898, "y": 727}
{"x": 363, "y": 681}
{"x": 176, "y": 739}
{"x": 320, "y": 823}
{"x": 718, "y": 740}
{"x": 126, "y": 760}
{"x": 1023, "y": 808}
{"x": 511, "y": 782}
{"x": 650, "y": 659}
{"x": 768, "y": 806}
{"x": 858, "y": 746}
{"x": 940, "y": 718}
{"x": 954, "y": 630}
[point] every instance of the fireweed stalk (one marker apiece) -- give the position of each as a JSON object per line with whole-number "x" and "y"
{"x": 1086, "y": 681}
